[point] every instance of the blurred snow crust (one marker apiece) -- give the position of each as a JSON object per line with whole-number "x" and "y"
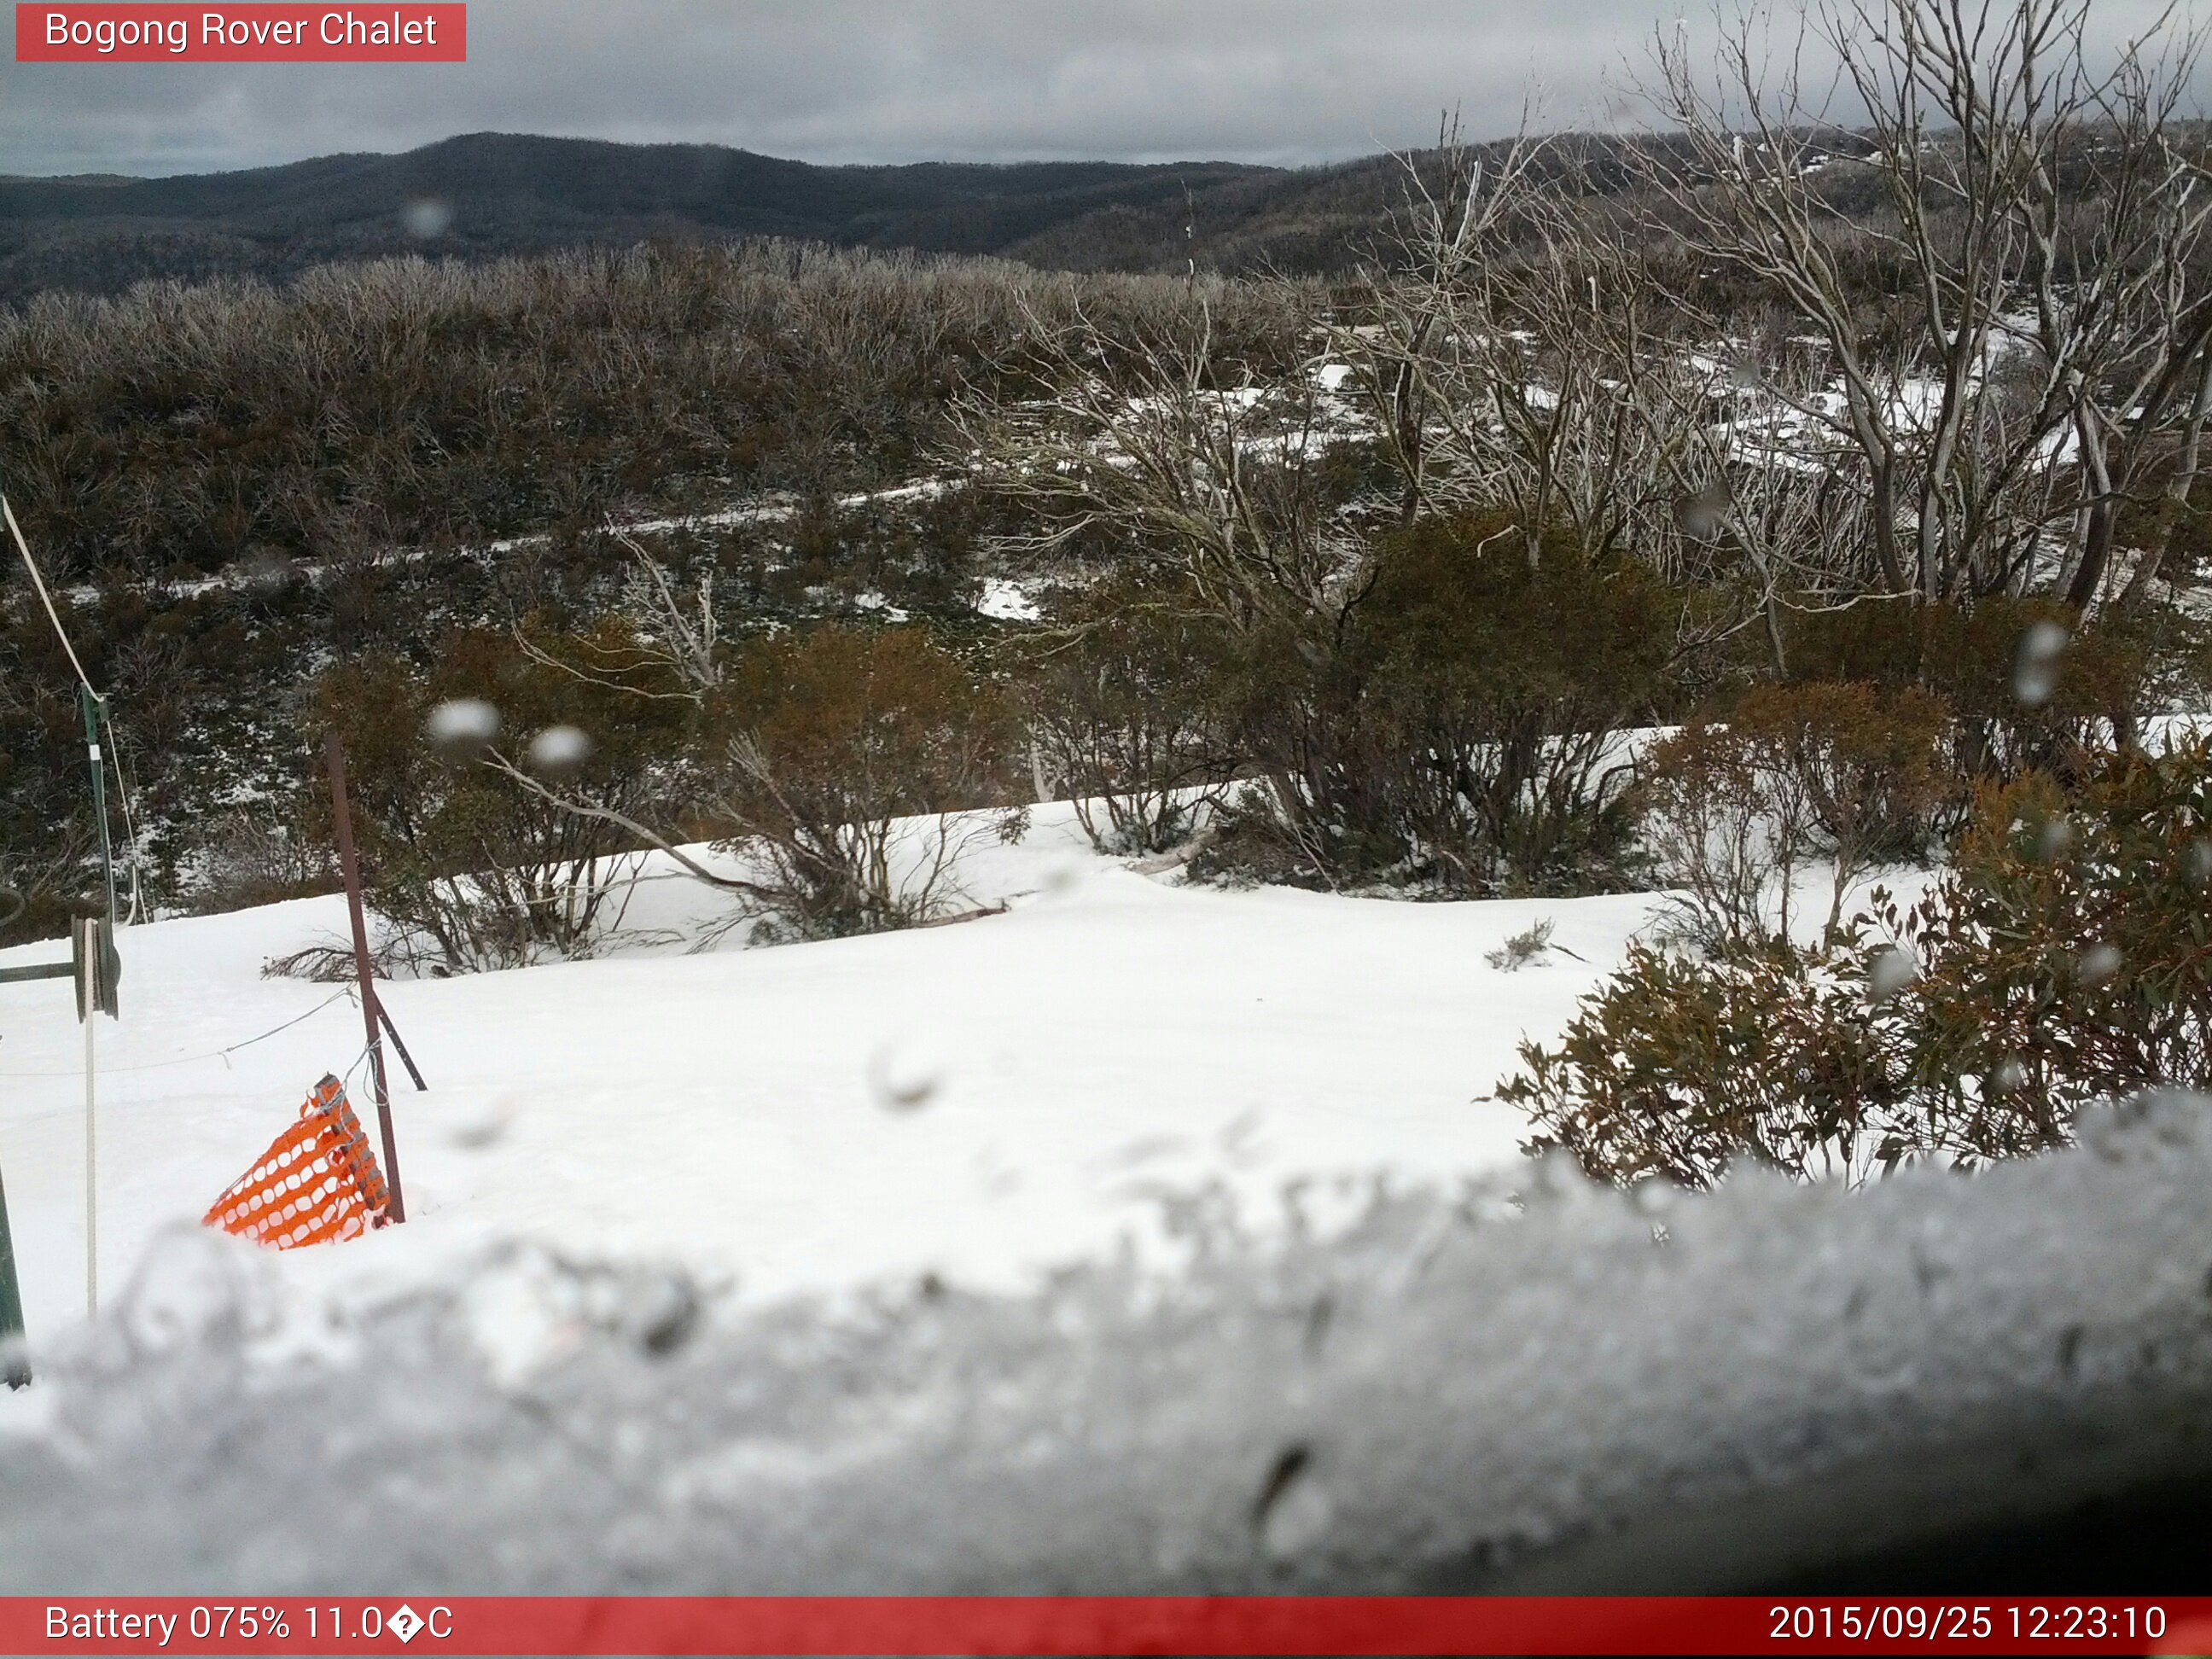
{"x": 1533, "y": 1385}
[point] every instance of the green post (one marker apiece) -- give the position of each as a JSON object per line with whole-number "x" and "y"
{"x": 109, "y": 965}
{"x": 91, "y": 708}
{"x": 15, "y": 1370}
{"x": 14, "y": 1367}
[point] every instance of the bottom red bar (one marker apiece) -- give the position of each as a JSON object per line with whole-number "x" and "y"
{"x": 1071, "y": 1625}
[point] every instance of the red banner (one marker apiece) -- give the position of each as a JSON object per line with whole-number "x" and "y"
{"x": 86, "y": 32}
{"x": 1253, "y": 1625}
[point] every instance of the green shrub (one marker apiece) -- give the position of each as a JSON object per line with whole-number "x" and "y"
{"x": 1850, "y": 774}
{"x": 1460, "y": 729}
{"x": 818, "y": 743}
{"x": 474, "y": 870}
{"x": 2065, "y": 957}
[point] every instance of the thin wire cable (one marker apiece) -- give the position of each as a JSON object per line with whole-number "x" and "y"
{"x": 122, "y": 788}
{"x": 343, "y": 992}
{"x": 38, "y": 581}
{"x": 360, "y": 1060}
{"x": 130, "y": 822}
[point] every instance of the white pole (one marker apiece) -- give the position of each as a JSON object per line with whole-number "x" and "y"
{"x": 91, "y": 1165}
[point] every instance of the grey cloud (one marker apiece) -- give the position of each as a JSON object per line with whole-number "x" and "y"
{"x": 1274, "y": 81}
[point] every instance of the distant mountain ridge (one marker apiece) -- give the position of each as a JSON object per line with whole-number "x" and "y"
{"x": 487, "y": 194}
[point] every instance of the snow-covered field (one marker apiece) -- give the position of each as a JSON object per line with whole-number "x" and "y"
{"x": 1145, "y": 1083}
{"x": 980, "y": 1102}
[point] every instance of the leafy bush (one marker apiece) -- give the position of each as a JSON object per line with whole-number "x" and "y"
{"x": 2067, "y": 956}
{"x": 2110, "y": 673}
{"x": 1505, "y": 685}
{"x": 1677, "y": 1068}
{"x": 1123, "y": 704}
{"x": 820, "y": 742}
{"x": 1462, "y": 729}
{"x": 2064, "y": 958}
{"x": 474, "y": 870}
{"x": 1735, "y": 810}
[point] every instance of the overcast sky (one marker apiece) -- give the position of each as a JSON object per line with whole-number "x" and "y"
{"x": 1274, "y": 81}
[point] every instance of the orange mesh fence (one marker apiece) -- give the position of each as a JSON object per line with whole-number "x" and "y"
{"x": 317, "y": 1183}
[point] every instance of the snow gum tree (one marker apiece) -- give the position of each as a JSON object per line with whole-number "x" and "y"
{"x": 1990, "y": 244}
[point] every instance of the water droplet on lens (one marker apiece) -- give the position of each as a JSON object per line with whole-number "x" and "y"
{"x": 475, "y": 1130}
{"x": 1700, "y": 516}
{"x": 265, "y": 570}
{"x": 2035, "y": 665}
{"x": 905, "y": 1075}
{"x": 2197, "y": 863}
{"x": 1889, "y": 970}
{"x": 462, "y": 727}
{"x": 559, "y": 749}
{"x": 427, "y": 217}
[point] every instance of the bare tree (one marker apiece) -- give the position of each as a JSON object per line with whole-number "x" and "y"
{"x": 672, "y": 647}
{"x": 1499, "y": 347}
{"x": 1516, "y": 352}
{"x": 1160, "y": 437}
{"x": 2039, "y": 217}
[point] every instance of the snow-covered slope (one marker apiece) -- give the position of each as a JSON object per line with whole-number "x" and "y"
{"x": 979, "y": 1101}
{"x": 1521, "y": 1391}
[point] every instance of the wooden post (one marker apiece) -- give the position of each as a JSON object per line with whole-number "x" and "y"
{"x": 334, "y": 753}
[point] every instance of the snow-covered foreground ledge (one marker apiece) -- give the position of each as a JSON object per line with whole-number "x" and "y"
{"x": 1441, "y": 1397}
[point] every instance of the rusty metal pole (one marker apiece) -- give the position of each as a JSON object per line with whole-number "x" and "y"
{"x": 342, "y": 817}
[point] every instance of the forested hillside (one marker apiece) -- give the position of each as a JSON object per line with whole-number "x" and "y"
{"x": 487, "y": 194}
